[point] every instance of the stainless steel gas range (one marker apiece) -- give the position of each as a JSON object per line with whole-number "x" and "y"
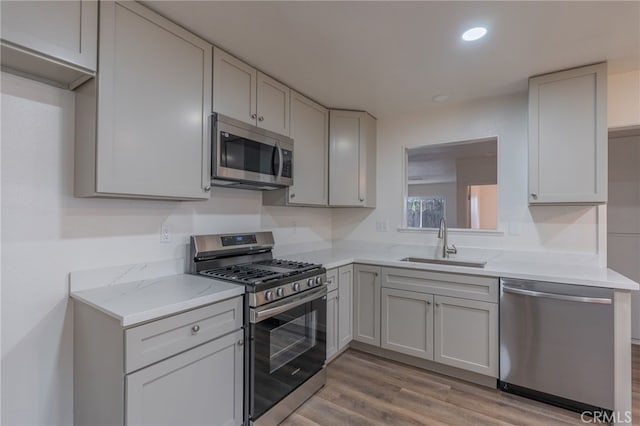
{"x": 285, "y": 320}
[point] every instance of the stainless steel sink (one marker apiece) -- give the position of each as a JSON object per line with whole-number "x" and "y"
{"x": 451, "y": 262}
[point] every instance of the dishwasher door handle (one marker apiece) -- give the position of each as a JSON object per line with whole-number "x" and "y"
{"x": 565, "y": 297}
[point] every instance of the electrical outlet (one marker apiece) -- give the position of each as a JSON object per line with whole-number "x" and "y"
{"x": 165, "y": 233}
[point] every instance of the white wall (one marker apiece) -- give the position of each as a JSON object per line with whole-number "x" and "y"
{"x": 623, "y": 99}
{"x": 46, "y": 233}
{"x": 566, "y": 228}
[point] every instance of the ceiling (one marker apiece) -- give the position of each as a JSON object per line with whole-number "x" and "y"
{"x": 393, "y": 57}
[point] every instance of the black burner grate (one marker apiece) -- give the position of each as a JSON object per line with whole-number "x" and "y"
{"x": 260, "y": 272}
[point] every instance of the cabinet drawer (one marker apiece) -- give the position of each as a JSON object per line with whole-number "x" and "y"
{"x": 161, "y": 339}
{"x": 332, "y": 280}
{"x": 456, "y": 285}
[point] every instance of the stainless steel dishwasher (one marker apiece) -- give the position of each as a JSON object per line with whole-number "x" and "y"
{"x": 556, "y": 343}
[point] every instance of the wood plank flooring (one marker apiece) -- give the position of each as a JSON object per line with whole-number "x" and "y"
{"x": 363, "y": 389}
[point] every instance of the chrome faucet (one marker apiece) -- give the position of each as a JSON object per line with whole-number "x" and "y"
{"x": 442, "y": 234}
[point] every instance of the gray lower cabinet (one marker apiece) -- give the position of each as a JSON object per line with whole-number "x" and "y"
{"x": 407, "y": 322}
{"x": 202, "y": 386}
{"x": 339, "y": 309}
{"x": 366, "y": 304}
{"x": 184, "y": 369}
{"x": 466, "y": 334}
{"x": 332, "y": 323}
{"x": 345, "y": 306}
{"x": 448, "y": 318}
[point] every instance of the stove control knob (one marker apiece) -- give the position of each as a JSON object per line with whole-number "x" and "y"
{"x": 268, "y": 296}
{"x": 318, "y": 280}
{"x": 280, "y": 292}
{"x": 296, "y": 286}
{"x": 310, "y": 282}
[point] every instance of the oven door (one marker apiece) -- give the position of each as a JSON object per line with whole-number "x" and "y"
{"x": 288, "y": 346}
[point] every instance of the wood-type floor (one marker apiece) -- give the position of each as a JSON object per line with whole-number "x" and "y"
{"x": 364, "y": 389}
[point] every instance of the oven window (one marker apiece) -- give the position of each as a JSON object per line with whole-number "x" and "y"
{"x": 291, "y": 340}
{"x": 244, "y": 154}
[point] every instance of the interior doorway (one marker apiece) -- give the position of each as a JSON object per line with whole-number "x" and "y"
{"x": 623, "y": 212}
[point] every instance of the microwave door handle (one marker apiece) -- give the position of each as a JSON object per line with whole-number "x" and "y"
{"x": 280, "y": 160}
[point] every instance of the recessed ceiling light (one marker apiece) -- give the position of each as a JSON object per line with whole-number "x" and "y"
{"x": 474, "y": 34}
{"x": 440, "y": 98}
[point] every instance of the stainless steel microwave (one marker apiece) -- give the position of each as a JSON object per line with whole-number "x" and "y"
{"x": 248, "y": 157}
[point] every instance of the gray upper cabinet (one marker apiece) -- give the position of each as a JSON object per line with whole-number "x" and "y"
{"x": 366, "y": 304}
{"x": 142, "y": 125}
{"x": 310, "y": 133}
{"x": 244, "y": 93}
{"x": 568, "y": 136}
{"x": 53, "y": 41}
{"x": 352, "y": 159}
{"x": 234, "y": 87}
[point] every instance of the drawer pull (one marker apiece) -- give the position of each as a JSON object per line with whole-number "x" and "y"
{"x": 241, "y": 342}
{"x": 195, "y": 329}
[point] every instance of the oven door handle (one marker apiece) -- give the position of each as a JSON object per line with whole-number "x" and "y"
{"x": 260, "y": 314}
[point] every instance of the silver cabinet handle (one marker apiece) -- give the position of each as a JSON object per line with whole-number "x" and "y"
{"x": 253, "y": 116}
{"x": 428, "y": 303}
{"x": 241, "y": 342}
{"x": 437, "y": 304}
{"x": 195, "y": 329}
{"x": 361, "y": 199}
{"x": 292, "y": 196}
{"x": 565, "y": 297}
{"x": 261, "y": 118}
{"x": 207, "y": 188}
{"x": 534, "y": 195}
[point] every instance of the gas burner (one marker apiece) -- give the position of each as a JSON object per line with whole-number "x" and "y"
{"x": 260, "y": 272}
{"x": 244, "y": 274}
{"x": 288, "y": 264}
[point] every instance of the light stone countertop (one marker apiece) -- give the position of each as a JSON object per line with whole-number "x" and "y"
{"x": 573, "y": 271}
{"x": 139, "y": 301}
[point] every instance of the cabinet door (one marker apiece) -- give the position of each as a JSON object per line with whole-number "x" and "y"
{"x": 202, "y": 386}
{"x": 332, "y": 323}
{"x": 234, "y": 87}
{"x": 64, "y": 30}
{"x": 345, "y": 306}
{"x": 366, "y": 304}
{"x": 568, "y": 136}
{"x": 273, "y": 105}
{"x": 345, "y": 166}
{"x": 153, "y": 106}
{"x": 310, "y": 134}
{"x": 407, "y": 322}
{"x": 332, "y": 279}
{"x": 466, "y": 334}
